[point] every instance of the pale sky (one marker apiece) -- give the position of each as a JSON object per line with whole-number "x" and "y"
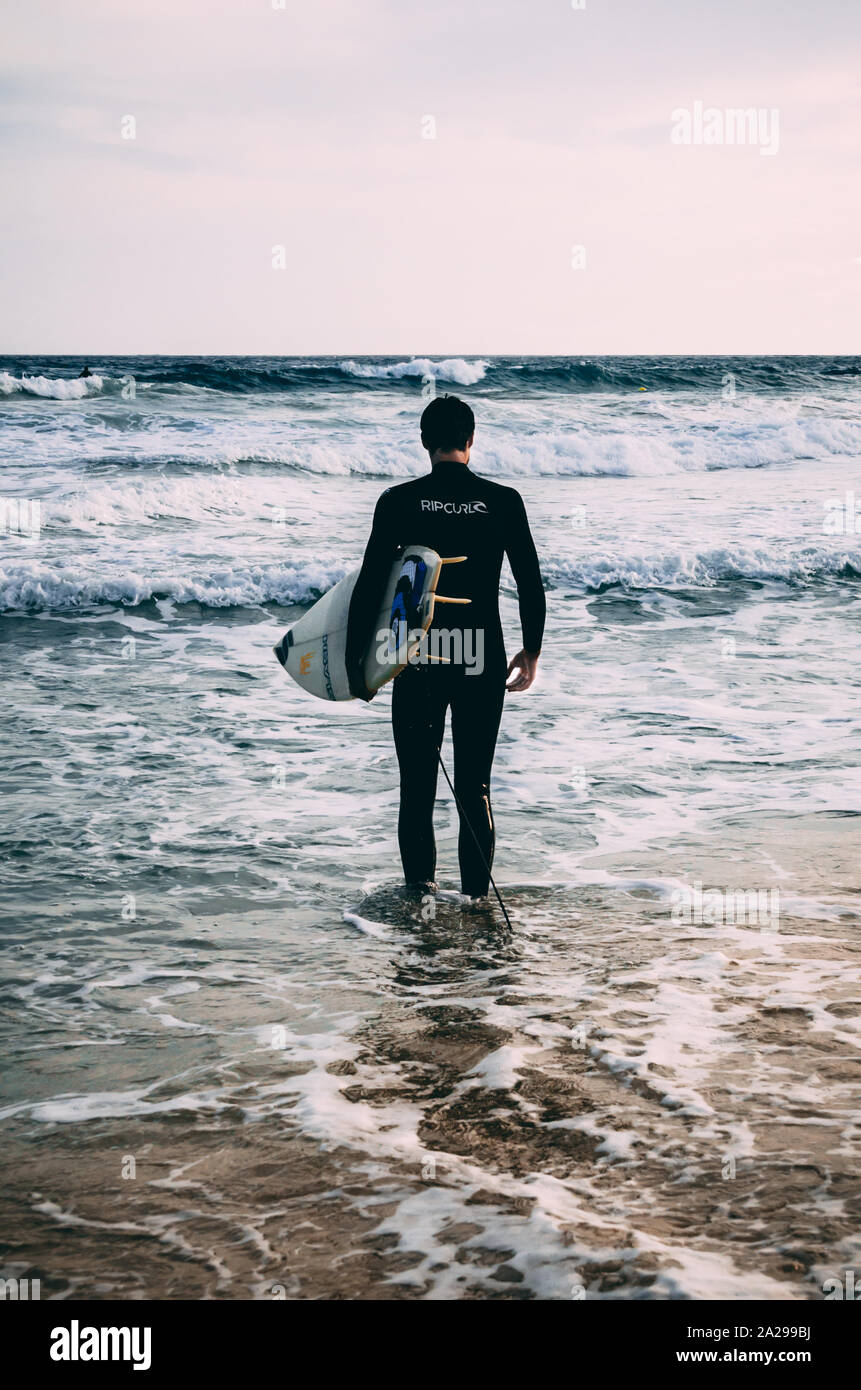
{"x": 259, "y": 126}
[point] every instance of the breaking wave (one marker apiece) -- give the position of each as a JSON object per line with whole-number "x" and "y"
{"x": 39, "y": 586}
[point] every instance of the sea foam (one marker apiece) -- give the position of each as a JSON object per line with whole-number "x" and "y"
{"x": 53, "y": 388}
{"x": 450, "y": 369}
{"x": 40, "y": 586}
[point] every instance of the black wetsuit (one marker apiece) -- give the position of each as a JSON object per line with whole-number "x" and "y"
{"x": 454, "y": 512}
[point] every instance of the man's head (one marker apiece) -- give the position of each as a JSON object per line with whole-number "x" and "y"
{"x": 447, "y": 426}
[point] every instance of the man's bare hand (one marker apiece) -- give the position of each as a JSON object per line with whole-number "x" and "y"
{"x": 526, "y": 664}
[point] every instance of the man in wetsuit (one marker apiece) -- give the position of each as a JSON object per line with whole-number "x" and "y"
{"x": 454, "y": 512}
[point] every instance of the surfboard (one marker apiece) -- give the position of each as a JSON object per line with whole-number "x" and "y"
{"x": 313, "y": 651}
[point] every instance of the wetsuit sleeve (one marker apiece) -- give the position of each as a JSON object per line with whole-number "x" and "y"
{"x": 520, "y": 549}
{"x": 380, "y": 554}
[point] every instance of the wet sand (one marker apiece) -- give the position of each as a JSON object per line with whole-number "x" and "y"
{"x": 464, "y": 1140}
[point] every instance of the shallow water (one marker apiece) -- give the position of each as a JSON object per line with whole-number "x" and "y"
{"x": 208, "y": 966}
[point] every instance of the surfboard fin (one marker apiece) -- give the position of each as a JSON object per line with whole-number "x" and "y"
{"x": 451, "y": 560}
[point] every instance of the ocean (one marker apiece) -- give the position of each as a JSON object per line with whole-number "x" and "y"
{"x": 238, "y": 1062}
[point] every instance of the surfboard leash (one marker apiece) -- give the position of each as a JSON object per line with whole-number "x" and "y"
{"x": 468, "y": 824}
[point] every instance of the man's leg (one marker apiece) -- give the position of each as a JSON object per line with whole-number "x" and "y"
{"x": 419, "y": 700}
{"x": 476, "y": 708}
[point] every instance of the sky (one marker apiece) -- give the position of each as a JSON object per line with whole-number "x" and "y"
{"x": 458, "y": 177}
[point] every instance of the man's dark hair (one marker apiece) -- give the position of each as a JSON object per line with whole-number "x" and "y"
{"x": 447, "y": 423}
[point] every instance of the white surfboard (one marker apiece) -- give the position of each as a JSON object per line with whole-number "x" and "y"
{"x": 313, "y": 652}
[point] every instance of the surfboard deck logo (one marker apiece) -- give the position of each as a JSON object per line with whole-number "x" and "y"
{"x": 406, "y": 616}
{"x": 313, "y": 651}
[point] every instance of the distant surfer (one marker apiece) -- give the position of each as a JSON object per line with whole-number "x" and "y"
{"x": 85, "y": 372}
{"x": 454, "y": 512}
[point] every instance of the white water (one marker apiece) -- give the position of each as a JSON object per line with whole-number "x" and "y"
{"x": 696, "y": 720}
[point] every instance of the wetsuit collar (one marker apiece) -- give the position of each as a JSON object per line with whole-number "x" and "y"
{"x": 448, "y": 463}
